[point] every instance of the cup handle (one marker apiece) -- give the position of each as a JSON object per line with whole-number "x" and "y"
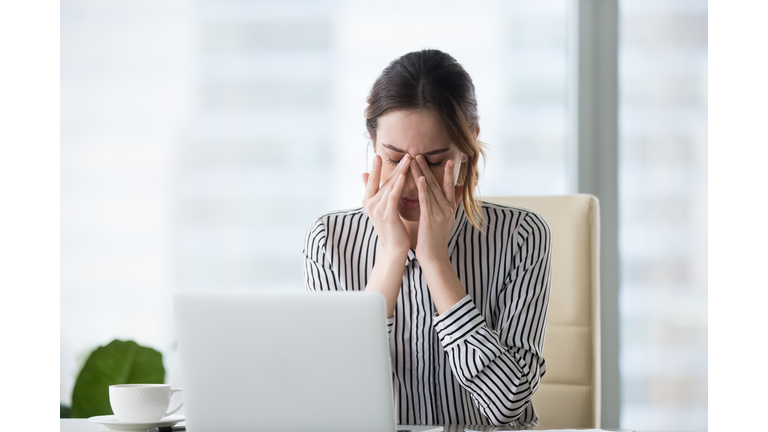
{"x": 178, "y": 407}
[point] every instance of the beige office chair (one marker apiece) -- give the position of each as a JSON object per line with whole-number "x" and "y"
{"x": 569, "y": 394}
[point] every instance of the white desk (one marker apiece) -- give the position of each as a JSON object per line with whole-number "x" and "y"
{"x": 83, "y": 425}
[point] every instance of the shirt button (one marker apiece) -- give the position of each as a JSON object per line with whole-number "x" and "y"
{"x": 440, "y": 326}
{"x": 448, "y": 338}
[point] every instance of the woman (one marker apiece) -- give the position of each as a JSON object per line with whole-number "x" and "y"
{"x": 466, "y": 283}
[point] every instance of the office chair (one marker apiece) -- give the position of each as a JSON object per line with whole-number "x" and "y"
{"x": 569, "y": 394}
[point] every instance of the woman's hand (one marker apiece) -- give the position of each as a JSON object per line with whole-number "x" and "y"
{"x": 437, "y": 212}
{"x": 381, "y": 204}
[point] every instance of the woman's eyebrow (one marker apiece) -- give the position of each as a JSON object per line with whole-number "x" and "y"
{"x": 433, "y": 152}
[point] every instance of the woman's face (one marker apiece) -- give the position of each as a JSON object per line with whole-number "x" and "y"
{"x": 415, "y": 132}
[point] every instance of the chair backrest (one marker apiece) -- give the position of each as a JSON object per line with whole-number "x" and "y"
{"x": 569, "y": 394}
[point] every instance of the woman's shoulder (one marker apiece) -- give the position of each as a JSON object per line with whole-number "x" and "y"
{"x": 489, "y": 207}
{"x": 334, "y": 227}
{"x": 499, "y": 213}
{"x": 338, "y": 217}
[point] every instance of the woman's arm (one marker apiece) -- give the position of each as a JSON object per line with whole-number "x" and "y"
{"x": 502, "y": 366}
{"x": 386, "y": 278}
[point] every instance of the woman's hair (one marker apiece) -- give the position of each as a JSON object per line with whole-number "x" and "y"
{"x": 433, "y": 79}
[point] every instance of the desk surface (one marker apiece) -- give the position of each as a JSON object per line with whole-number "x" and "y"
{"x": 83, "y": 425}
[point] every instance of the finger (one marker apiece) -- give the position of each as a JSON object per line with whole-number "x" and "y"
{"x": 401, "y": 167}
{"x": 432, "y": 186}
{"x": 424, "y": 200}
{"x": 416, "y": 173}
{"x": 419, "y": 174}
{"x": 449, "y": 182}
{"x": 394, "y": 197}
{"x": 365, "y": 180}
{"x": 372, "y": 186}
{"x": 382, "y": 196}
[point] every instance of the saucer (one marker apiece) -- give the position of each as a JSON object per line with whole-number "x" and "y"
{"x": 114, "y": 424}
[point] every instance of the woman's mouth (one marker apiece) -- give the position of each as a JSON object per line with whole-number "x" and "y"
{"x": 409, "y": 202}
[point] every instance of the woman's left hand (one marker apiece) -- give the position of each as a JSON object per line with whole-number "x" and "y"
{"x": 437, "y": 211}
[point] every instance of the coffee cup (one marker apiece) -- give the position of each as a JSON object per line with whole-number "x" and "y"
{"x": 141, "y": 403}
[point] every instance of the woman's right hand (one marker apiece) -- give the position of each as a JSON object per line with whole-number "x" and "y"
{"x": 381, "y": 204}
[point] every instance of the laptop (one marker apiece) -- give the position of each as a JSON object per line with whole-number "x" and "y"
{"x": 284, "y": 361}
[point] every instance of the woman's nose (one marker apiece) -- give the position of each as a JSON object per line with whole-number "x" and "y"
{"x": 410, "y": 184}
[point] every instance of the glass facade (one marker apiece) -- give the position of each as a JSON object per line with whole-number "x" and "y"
{"x": 663, "y": 214}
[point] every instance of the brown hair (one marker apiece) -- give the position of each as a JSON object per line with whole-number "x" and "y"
{"x": 433, "y": 79}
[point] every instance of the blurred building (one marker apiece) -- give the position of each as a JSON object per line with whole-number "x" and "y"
{"x": 663, "y": 213}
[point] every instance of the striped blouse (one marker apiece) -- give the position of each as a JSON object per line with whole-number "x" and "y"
{"x": 480, "y": 361}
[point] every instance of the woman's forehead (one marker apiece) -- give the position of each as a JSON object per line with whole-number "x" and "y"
{"x": 412, "y": 131}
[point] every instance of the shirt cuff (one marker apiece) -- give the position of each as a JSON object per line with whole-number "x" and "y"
{"x": 390, "y": 324}
{"x": 458, "y": 322}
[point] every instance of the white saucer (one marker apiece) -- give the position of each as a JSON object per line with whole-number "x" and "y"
{"x": 114, "y": 424}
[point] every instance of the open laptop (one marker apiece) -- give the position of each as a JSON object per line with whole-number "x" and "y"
{"x": 284, "y": 361}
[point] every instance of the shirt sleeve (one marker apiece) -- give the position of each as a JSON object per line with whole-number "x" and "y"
{"x": 502, "y": 366}
{"x": 319, "y": 274}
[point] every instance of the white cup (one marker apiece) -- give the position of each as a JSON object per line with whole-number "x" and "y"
{"x": 141, "y": 403}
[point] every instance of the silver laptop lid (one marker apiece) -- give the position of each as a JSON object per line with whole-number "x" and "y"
{"x": 284, "y": 361}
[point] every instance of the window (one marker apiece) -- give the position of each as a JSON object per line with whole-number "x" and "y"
{"x": 663, "y": 214}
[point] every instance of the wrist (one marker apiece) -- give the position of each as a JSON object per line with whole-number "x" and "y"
{"x": 393, "y": 253}
{"x": 435, "y": 261}
{"x": 386, "y": 276}
{"x": 444, "y": 285}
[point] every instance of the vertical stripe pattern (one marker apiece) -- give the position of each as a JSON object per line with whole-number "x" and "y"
{"x": 480, "y": 361}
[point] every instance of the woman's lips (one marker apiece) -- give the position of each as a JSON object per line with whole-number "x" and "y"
{"x": 408, "y": 202}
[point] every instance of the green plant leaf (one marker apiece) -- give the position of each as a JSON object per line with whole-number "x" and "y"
{"x": 64, "y": 411}
{"x": 119, "y": 362}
